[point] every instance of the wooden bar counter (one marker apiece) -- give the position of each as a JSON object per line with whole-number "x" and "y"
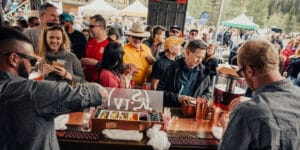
{"x": 180, "y": 129}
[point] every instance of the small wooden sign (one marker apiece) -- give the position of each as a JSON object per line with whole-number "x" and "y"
{"x": 134, "y": 100}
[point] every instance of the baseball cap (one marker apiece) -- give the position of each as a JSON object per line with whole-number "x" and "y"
{"x": 66, "y": 17}
{"x": 176, "y": 27}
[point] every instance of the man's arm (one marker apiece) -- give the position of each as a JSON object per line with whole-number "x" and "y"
{"x": 62, "y": 98}
{"x": 237, "y": 135}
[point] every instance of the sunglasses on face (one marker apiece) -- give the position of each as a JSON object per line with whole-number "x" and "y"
{"x": 50, "y": 24}
{"x": 175, "y": 31}
{"x": 239, "y": 72}
{"x": 31, "y": 59}
{"x": 93, "y": 26}
{"x": 138, "y": 38}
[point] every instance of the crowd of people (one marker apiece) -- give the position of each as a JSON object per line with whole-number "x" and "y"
{"x": 181, "y": 66}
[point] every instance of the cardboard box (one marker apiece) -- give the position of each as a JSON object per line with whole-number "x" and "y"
{"x": 129, "y": 109}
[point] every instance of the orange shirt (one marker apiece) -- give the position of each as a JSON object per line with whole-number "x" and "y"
{"x": 138, "y": 58}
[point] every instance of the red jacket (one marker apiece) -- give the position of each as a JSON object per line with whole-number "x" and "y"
{"x": 286, "y": 53}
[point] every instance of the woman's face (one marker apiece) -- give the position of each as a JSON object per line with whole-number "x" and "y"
{"x": 54, "y": 40}
{"x": 211, "y": 50}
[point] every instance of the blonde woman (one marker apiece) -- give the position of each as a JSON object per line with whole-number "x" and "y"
{"x": 60, "y": 64}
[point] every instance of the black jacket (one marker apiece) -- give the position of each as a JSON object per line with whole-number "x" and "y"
{"x": 171, "y": 86}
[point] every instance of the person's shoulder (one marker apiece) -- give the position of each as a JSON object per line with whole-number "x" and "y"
{"x": 145, "y": 47}
{"x": 71, "y": 55}
{"x": 254, "y": 109}
{"x": 31, "y": 30}
{"x": 106, "y": 73}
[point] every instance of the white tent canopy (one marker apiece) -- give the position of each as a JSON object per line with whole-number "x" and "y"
{"x": 136, "y": 9}
{"x": 241, "y": 21}
{"x": 98, "y": 7}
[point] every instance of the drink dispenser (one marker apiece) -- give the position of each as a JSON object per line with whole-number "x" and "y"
{"x": 228, "y": 85}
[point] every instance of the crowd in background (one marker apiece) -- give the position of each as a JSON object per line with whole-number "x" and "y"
{"x": 218, "y": 39}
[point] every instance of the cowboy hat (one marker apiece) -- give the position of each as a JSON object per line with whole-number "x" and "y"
{"x": 137, "y": 30}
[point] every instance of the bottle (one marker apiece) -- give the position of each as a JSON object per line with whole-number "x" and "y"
{"x": 198, "y": 110}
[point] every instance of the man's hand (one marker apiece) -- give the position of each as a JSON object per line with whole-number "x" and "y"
{"x": 184, "y": 97}
{"x": 103, "y": 93}
{"x": 130, "y": 69}
{"x": 237, "y": 100}
{"x": 88, "y": 61}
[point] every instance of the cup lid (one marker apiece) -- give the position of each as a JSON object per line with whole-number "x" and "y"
{"x": 229, "y": 70}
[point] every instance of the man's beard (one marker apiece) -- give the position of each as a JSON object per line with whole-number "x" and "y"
{"x": 22, "y": 71}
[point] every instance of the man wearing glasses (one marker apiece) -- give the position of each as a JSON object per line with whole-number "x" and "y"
{"x": 174, "y": 31}
{"x": 138, "y": 53}
{"x": 48, "y": 14}
{"x": 270, "y": 120}
{"x": 28, "y": 107}
{"x": 95, "y": 48}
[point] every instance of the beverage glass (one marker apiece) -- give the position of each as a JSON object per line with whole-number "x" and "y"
{"x": 86, "y": 125}
{"x": 36, "y": 71}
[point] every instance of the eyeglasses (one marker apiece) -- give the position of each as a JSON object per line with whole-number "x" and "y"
{"x": 31, "y": 59}
{"x": 175, "y": 31}
{"x": 93, "y": 26}
{"x": 138, "y": 38}
{"x": 239, "y": 72}
{"x": 50, "y": 24}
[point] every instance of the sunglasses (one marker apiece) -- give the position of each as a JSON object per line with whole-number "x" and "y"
{"x": 31, "y": 59}
{"x": 175, "y": 31}
{"x": 93, "y": 26}
{"x": 138, "y": 38}
{"x": 239, "y": 72}
{"x": 50, "y": 24}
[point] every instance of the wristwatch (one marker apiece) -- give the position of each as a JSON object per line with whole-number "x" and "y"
{"x": 98, "y": 64}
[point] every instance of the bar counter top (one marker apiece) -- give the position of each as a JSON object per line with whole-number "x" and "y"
{"x": 179, "y": 129}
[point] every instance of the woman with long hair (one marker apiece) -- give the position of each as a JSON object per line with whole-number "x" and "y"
{"x": 59, "y": 63}
{"x": 111, "y": 70}
{"x": 210, "y": 61}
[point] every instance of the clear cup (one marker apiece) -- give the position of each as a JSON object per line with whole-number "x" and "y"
{"x": 86, "y": 125}
{"x": 36, "y": 71}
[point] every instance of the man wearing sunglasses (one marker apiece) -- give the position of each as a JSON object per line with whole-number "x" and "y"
{"x": 270, "y": 119}
{"x": 48, "y": 14}
{"x": 95, "y": 48}
{"x": 174, "y": 31}
{"x": 28, "y": 107}
{"x": 137, "y": 53}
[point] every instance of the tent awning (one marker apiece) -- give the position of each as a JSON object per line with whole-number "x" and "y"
{"x": 241, "y": 21}
{"x": 99, "y": 7}
{"x": 136, "y": 9}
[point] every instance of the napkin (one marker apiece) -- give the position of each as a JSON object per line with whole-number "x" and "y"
{"x": 119, "y": 134}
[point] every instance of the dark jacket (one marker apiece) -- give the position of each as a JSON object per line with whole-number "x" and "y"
{"x": 171, "y": 86}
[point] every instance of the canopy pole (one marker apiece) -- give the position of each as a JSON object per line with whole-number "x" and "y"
{"x": 219, "y": 20}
